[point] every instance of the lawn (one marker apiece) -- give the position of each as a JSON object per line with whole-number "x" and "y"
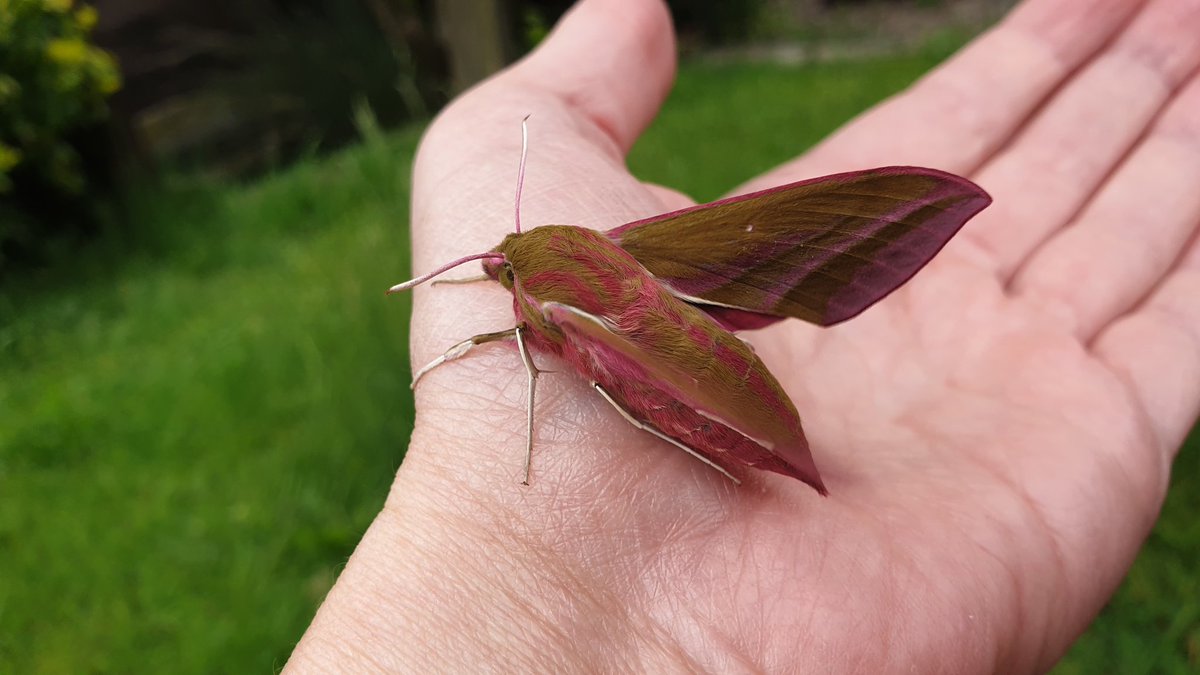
{"x": 201, "y": 414}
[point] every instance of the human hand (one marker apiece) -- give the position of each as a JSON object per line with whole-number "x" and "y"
{"x": 996, "y": 436}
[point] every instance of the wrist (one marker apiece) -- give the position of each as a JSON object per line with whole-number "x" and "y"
{"x": 447, "y": 578}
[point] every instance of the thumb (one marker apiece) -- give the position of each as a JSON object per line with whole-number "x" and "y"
{"x": 613, "y": 61}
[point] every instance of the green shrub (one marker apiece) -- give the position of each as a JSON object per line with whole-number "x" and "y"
{"x": 53, "y": 87}
{"x": 52, "y": 81}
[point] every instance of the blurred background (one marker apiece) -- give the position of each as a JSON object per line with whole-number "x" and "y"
{"x": 203, "y": 392}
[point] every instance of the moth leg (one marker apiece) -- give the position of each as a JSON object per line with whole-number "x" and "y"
{"x": 533, "y": 373}
{"x": 461, "y": 349}
{"x": 467, "y": 280}
{"x": 655, "y": 432}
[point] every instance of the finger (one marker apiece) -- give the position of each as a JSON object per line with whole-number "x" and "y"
{"x": 1056, "y": 163}
{"x": 612, "y": 61}
{"x": 1156, "y": 350}
{"x": 1120, "y": 247}
{"x": 590, "y": 88}
{"x": 959, "y": 114}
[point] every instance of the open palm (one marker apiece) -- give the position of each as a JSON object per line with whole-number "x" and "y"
{"x": 996, "y": 436}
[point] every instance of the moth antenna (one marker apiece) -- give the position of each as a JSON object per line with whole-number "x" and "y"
{"x": 467, "y": 280}
{"x": 521, "y": 168}
{"x": 492, "y": 255}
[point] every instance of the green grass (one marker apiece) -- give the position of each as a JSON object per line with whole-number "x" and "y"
{"x": 200, "y": 419}
{"x": 725, "y": 124}
{"x": 196, "y": 432}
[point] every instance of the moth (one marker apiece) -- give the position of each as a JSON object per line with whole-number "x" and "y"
{"x": 646, "y": 312}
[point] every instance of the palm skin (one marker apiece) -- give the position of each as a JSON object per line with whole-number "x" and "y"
{"x": 996, "y": 436}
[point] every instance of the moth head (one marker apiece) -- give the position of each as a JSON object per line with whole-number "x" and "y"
{"x": 501, "y": 270}
{"x": 511, "y": 254}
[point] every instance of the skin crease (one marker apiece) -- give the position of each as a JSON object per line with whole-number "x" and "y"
{"x": 996, "y": 436}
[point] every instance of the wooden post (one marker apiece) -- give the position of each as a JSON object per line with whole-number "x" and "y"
{"x": 477, "y": 38}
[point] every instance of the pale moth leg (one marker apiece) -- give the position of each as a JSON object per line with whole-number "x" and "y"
{"x": 655, "y": 432}
{"x": 461, "y": 349}
{"x": 533, "y": 373}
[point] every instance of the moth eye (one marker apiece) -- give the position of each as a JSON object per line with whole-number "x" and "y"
{"x": 508, "y": 271}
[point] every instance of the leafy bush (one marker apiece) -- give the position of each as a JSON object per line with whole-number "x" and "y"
{"x": 52, "y": 81}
